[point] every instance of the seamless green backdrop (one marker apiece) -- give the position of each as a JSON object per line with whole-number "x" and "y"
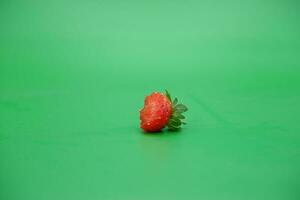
{"x": 73, "y": 76}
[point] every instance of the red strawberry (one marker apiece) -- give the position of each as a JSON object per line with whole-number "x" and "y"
{"x": 159, "y": 111}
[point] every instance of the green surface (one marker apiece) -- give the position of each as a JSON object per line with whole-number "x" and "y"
{"x": 73, "y": 76}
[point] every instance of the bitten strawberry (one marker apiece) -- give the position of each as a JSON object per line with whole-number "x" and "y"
{"x": 159, "y": 111}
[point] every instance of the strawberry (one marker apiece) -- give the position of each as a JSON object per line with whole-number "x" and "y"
{"x": 160, "y": 111}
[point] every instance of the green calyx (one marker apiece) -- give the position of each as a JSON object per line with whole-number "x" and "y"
{"x": 175, "y": 121}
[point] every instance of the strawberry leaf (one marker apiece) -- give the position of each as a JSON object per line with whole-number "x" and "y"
{"x": 168, "y": 95}
{"x": 174, "y": 122}
{"x": 178, "y": 115}
{"x": 180, "y": 108}
{"x": 175, "y": 101}
{"x": 173, "y": 128}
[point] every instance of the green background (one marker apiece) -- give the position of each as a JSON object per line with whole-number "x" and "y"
{"x": 73, "y": 76}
